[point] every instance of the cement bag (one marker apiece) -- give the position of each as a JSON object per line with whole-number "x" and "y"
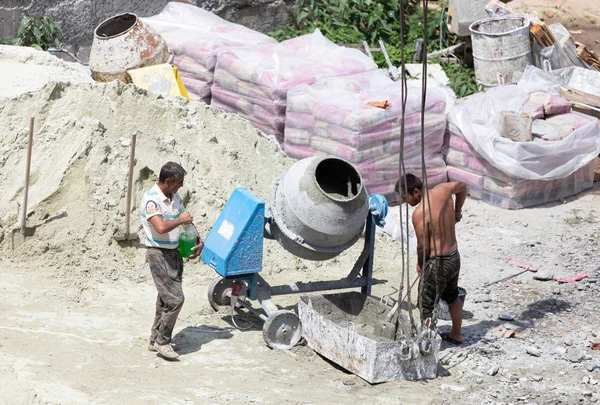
{"x": 196, "y": 86}
{"x": 299, "y": 151}
{"x": 477, "y": 119}
{"x": 268, "y": 72}
{"x": 347, "y": 106}
{"x": 271, "y": 127}
{"x": 359, "y": 140}
{"x": 525, "y": 193}
{"x": 305, "y": 59}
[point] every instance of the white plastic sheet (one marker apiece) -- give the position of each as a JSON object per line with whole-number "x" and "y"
{"x": 398, "y": 232}
{"x": 562, "y": 54}
{"x": 196, "y": 36}
{"x": 477, "y": 120}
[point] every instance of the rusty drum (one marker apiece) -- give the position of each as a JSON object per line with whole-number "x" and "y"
{"x": 124, "y": 42}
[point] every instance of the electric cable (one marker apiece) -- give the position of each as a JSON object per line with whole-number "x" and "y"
{"x": 426, "y": 237}
{"x": 402, "y": 174}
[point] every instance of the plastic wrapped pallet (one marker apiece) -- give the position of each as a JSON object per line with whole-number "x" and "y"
{"x": 254, "y": 81}
{"x": 196, "y": 36}
{"x": 520, "y": 174}
{"x": 332, "y": 118}
{"x": 486, "y": 182}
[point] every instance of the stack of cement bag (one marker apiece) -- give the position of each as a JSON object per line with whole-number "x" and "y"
{"x": 357, "y": 118}
{"x": 196, "y": 36}
{"x": 254, "y": 81}
{"x": 486, "y": 182}
{"x": 552, "y": 157}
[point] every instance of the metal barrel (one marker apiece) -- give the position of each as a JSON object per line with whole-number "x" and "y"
{"x": 500, "y": 48}
{"x": 319, "y": 207}
{"x": 124, "y": 42}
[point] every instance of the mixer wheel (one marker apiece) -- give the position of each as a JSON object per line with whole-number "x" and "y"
{"x": 219, "y": 292}
{"x": 282, "y": 330}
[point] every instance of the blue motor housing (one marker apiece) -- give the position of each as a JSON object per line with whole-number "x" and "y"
{"x": 234, "y": 245}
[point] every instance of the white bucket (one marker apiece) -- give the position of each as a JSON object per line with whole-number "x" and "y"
{"x": 500, "y": 48}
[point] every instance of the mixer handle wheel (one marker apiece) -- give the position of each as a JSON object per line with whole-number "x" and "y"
{"x": 219, "y": 292}
{"x": 282, "y": 330}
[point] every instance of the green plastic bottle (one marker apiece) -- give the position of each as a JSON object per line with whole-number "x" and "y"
{"x": 187, "y": 240}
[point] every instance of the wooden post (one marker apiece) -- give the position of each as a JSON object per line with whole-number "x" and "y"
{"x": 130, "y": 184}
{"x": 27, "y": 169}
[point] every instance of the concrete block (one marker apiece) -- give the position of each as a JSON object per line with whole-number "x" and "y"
{"x": 464, "y": 13}
{"x": 341, "y": 328}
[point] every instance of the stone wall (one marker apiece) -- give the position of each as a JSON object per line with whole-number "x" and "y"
{"x": 79, "y": 18}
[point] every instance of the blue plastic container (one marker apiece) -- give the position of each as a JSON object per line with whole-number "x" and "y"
{"x": 234, "y": 245}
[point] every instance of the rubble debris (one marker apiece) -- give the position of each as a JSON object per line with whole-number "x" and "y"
{"x": 493, "y": 370}
{"x": 544, "y": 276}
{"x": 522, "y": 264}
{"x": 447, "y": 387}
{"x": 385, "y": 104}
{"x": 482, "y": 298}
{"x": 593, "y": 365}
{"x": 509, "y": 334}
{"x": 572, "y": 278}
{"x": 575, "y": 355}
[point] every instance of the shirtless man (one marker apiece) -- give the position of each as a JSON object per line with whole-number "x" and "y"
{"x": 440, "y": 248}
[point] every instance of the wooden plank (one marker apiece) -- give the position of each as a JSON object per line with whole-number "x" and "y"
{"x": 586, "y": 110}
{"x": 588, "y": 56}
{"x": 579, "y": 96}
{"x": 542, "y": 34}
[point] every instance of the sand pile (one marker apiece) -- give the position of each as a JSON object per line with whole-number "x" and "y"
{"x": 25, "y": 69}
{"x": 79, "y": 174}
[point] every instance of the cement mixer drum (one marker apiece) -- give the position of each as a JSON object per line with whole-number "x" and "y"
{"x": 318, "y": 208}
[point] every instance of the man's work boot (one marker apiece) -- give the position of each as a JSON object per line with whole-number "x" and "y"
{"x": 166, "y": 351}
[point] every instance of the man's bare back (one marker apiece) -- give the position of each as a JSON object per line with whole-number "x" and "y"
{"x": 442, "y": 219}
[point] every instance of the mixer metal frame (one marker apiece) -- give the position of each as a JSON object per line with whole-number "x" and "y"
{"x": 282, "y": 328}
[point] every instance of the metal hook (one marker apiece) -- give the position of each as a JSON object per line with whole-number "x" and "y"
{"x": 546, "y": 65}
{"x": 404, "y": 351}
{"x": 501, "y": 79}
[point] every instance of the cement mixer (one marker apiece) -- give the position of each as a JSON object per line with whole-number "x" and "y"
{"x": 319, "y": 208}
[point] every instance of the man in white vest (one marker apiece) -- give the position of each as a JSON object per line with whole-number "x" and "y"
{"x": 162, "y": 213}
